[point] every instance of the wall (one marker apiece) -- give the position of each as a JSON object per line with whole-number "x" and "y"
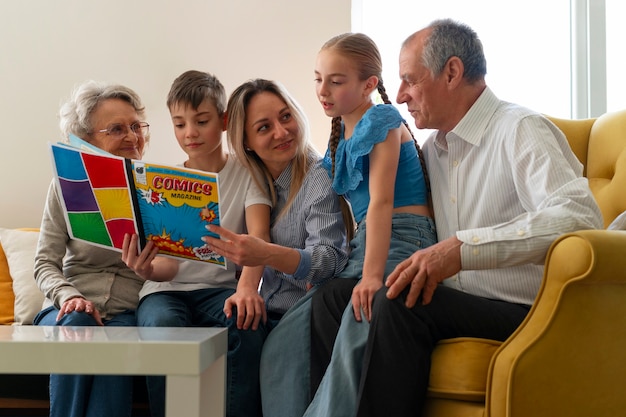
{"x": 47, "y": 47}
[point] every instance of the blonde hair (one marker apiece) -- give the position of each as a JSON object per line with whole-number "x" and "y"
{"x": 236, "y": 110}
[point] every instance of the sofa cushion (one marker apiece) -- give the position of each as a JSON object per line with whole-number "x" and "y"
{"x": 6, "y": 291}
{"x": 459, "y": 368}
{"x": 606, "y": 164}
{"x": 19, "y": 246}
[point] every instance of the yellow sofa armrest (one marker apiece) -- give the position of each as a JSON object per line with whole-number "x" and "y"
{"x": 567, "y": 358}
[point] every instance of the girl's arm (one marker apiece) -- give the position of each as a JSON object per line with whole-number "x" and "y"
{"x": 250, "y": 305}
{"x": 383, "y": 168}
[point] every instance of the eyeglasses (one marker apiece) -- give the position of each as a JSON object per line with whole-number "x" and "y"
{"x": 118, "y": 131}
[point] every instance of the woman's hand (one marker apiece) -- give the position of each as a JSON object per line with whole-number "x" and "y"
{"x": 362, "y": 296}
{"x": 250, "y": 308}
{"x": 141, "y": 263}
{"x": 243, "y": 249}
{"x": 80, "y": 304}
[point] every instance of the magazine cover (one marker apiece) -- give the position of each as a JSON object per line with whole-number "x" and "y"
{"x": 106, "y": 196}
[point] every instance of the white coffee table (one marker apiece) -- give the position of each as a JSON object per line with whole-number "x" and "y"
{"x": 193, "y": 359}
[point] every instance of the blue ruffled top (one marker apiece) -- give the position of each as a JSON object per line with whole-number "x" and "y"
{"x": 352, "y": 162}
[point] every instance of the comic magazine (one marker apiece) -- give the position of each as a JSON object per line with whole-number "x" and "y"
{"x": 106, "y": 196}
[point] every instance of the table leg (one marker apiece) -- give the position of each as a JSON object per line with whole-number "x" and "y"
{"x": 203, "y": 395}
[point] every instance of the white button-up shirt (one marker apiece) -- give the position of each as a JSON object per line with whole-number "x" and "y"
{"x": 505, "y": 182}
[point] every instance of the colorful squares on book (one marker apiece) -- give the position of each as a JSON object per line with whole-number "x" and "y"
{"x": 117, "y": 228}
{"x": 78, "y": 195}
{"x": 69, "y": 164}
{"x": 89, "y": 226}
{"x": 114, "y": 203}
{"x": 105, "y": 172}
{"x": 96, "y": 196}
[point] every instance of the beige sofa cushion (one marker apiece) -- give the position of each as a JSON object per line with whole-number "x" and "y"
{"x": 19, "y": 247}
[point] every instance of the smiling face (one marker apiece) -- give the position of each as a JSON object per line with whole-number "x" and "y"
{"x": 111, "y": 112}
{"x": 198, "y": 131}
{"x": 271, "y": 131}
{"x": 337, "y": 84}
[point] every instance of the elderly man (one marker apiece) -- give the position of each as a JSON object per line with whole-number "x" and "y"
{"x": 504, "y": 185}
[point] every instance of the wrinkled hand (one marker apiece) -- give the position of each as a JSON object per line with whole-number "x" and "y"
{"x": 242, "y": 249}
{"x": 424, "y": 270}
{"x": 250, "y": 308}
{"x": 141, "y": 263}
{"x": 362, "y": 296}
{"x": 80, "y": 304}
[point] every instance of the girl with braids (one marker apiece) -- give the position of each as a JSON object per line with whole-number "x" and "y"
{"x": 375, "y": 164}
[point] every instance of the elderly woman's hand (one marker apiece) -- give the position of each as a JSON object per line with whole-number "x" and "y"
{"x": 80, "y": 304}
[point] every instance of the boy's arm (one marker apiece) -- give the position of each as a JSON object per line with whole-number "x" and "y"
{"x": 250, "y": 305}
{"x": 145, "y": 264}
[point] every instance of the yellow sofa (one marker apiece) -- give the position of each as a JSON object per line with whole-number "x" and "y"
{"x": 568, "y": 358}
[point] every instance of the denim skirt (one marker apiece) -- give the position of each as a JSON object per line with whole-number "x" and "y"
{"x": 409, "y": 233}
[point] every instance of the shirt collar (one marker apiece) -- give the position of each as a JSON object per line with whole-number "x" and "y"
{"x": 472, "y": 126}
{"x": 284, "y": 179}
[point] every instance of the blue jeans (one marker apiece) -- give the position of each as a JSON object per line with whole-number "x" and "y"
{"x": 337, "y": 393}
{"x": 285, "y": 374}
{"x": 204, "y": 308}
{"x": 88, "y": 395}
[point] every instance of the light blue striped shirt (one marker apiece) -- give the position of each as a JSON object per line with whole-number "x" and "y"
{"x": 505, "y": 182}
{"x": 313, "y": 224}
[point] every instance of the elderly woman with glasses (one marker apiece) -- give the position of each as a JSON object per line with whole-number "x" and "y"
{"x": 86, "y": 285}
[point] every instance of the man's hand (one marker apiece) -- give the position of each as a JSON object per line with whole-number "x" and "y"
{"x": 424, "y": 270}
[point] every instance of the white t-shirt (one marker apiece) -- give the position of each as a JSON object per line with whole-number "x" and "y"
{"x": 238, "y": 191}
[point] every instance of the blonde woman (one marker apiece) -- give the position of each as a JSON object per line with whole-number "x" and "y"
{"x": 268, "y": 132}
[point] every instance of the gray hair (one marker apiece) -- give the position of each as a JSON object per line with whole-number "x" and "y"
{"x": 75, "y": 114}
{"x": 449, "y": 38}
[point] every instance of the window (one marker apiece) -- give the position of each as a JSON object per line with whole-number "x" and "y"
{"x": 615, "y": 57}
{"x": 527, "y": 45}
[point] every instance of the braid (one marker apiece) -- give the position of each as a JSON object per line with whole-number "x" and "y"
{"x": 333, "y": 141}
{"x": 420, "y": 154}
{"x": 346, "y": 212}
{"x": 383, "y": 92}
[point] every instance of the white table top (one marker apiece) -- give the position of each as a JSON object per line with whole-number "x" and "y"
{"x": 110, "y": 350}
